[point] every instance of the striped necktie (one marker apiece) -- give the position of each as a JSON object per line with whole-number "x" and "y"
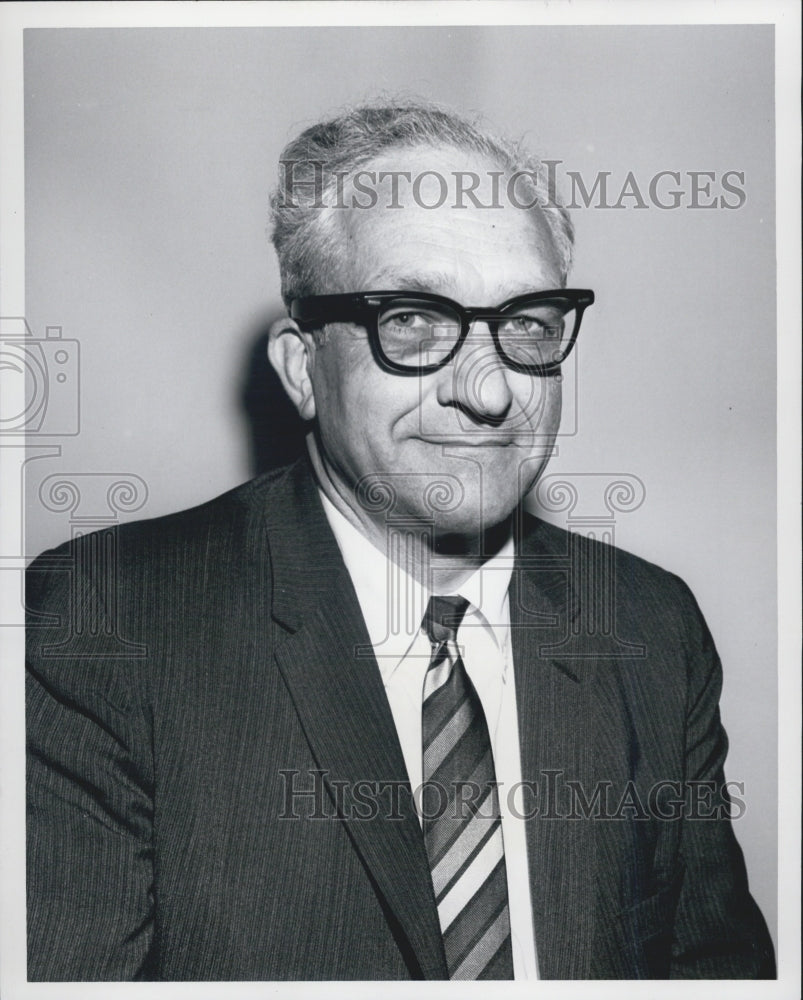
{"x": 460, "y": 809}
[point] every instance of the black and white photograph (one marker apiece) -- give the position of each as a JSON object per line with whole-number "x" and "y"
{"x": 400, "y": 475}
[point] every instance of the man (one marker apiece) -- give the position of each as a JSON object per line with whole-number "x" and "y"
{"x": 347, "y": 721}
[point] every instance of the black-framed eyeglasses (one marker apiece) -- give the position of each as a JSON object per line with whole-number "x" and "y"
{"x": 412, "y": 333}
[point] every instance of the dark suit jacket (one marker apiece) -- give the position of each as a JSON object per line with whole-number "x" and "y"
{"x": 189, "y": 675}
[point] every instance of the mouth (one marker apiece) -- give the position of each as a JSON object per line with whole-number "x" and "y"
{"x": 469, "y": 442}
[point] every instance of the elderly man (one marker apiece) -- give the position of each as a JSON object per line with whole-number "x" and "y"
{"x": 343, "y": 722}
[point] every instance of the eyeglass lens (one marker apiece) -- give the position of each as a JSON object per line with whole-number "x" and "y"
{"x": 419, "y": 333}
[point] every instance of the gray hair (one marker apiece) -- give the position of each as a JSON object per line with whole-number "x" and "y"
{"x": 307, "y": 242}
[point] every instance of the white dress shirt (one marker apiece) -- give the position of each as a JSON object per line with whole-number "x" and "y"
{"x": 393, "y": 605}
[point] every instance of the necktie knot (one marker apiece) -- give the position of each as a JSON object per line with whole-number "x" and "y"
{"x": 443, "y": 617}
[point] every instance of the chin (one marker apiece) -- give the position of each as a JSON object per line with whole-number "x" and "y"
{"x": 470, "y": 520}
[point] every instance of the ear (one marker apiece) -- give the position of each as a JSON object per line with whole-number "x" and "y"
{"x": 291, "y": 353}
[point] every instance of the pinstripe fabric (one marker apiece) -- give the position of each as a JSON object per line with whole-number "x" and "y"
{"x": 462, "y": 824}
{"x": 163, "y": 747}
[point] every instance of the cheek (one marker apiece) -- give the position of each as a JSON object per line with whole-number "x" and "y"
{"x": 553, "y": 390}
{"x": 358, "y": 404}
{"x": 538, "y": 402}
{"x": 336, "y": 380}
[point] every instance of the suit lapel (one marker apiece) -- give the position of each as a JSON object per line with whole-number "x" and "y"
{"x": 555, "y": 731}
{"x": 343, "y": 709}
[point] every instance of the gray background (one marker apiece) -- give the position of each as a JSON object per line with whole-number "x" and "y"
{"x": 149, "y": 158}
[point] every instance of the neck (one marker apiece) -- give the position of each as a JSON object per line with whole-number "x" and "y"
{"x": 439, "y": 560}
{"x": 454, "y": 557}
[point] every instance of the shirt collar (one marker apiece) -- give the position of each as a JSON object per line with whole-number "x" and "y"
{"x": 393, "y": 602}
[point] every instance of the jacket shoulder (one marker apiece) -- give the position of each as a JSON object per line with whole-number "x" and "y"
{"x": 191, "y": 559}
{"x": 540, "y": 537}
{"x": 215, "y": 520}
{"x": 644, "y": 593}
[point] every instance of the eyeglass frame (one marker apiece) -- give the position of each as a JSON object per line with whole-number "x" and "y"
{"x": 363, "y": 308}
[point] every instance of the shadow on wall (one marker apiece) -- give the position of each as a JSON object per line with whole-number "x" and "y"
{"x": 276, "y": 431}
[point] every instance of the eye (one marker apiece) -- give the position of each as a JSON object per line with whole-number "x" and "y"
{"x": 408, "y": 319}
{"x": 544, "y": 323}
{"x": 524, "y": 324}
{"x": 529, "y": 326}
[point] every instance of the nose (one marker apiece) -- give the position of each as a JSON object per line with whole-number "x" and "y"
{"x": 477, "y": 379}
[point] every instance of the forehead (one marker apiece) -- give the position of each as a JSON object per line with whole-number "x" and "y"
{"x": 447, "y": 227}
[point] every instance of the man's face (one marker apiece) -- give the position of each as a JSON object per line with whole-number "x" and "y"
{"x": 475, "y": 425}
